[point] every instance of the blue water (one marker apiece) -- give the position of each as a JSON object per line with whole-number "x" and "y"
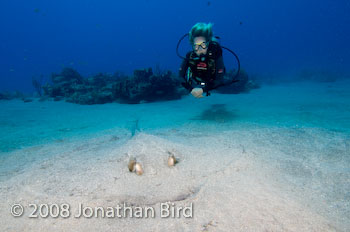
{"x": 271, "y": 38}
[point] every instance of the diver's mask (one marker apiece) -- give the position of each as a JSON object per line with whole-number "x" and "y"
{"x": 202, "y": 45}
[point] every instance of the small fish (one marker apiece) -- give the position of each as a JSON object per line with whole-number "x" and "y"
{"x": 36, "y": 10}
{"x": 240, "y": 23}
{"x": 12, "y": 70}
{"x": 208, "y": 3}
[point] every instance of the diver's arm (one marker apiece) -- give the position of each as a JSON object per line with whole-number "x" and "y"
{"x": 182, "y": 73}
{"x": 183, "y": 69}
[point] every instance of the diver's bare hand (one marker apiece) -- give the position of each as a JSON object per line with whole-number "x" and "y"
{"x": 197, "y": 92}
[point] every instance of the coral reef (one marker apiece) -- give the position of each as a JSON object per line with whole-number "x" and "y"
{"x": 38, "y": 84}
{"x": 15, "y": 95}
{"x": 5, "y": 96}
{"x": 143, "y": 86}
{"x": 69, "y": 85}
{"x": 244, "y": 84}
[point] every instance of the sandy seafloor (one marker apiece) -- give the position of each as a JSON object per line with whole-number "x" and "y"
{"x": 276, "y": 159}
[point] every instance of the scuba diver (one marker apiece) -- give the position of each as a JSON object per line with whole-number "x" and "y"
{"x": 203, "y": 68}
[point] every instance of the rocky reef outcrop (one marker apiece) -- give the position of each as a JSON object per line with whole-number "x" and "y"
{"x": 146, "y": 86}
{"x": 243, "y": 85}
{"x": 143, "y": 86}
{"x": 15, "y": 95}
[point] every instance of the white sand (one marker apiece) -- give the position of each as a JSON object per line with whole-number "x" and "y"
{"x": 234, "y": 192}
{"x": 239, "y": 177}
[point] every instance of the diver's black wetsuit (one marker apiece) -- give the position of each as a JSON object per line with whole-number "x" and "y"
{"x": 204, "y": 72}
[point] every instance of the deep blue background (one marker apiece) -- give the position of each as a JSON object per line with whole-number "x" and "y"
{"x": 278, "y": 37}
